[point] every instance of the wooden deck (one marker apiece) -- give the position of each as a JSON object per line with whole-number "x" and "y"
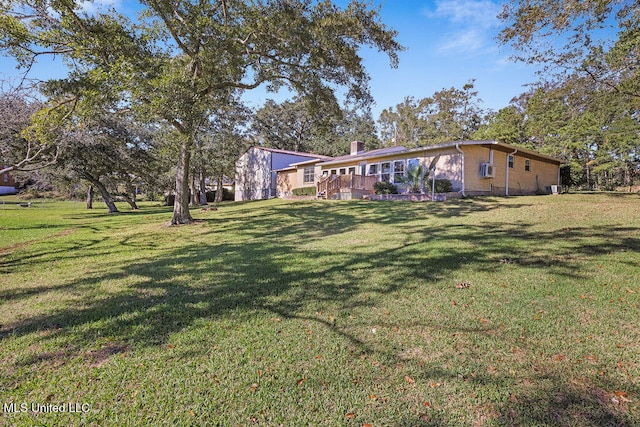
{"x": 333, "y": 184}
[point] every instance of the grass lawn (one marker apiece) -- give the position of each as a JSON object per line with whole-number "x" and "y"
{"x": 482, "y": 312}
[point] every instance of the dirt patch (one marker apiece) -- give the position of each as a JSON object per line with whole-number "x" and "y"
{"x": 99, "y": 357}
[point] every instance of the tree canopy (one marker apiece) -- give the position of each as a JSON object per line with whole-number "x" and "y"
{"x": 181, "y": 57}
{"x": 578, "y": 36}
{"x": 447, "y": 115}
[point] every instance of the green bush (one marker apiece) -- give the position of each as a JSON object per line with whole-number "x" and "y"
{"x": 384, "y": 188}
{"x": 226, "y": 195}
{"x": 304, "y": 191}
{"x": 442, "y": 186}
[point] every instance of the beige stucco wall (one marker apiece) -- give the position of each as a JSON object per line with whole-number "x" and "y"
{"x": 286, "y": 182}
{"x": 299, "y": 180}
{"x": 542, "y": 174}
{"x": 448, "y": 166}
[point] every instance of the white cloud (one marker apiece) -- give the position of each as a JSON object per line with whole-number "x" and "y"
{"x": 466, "y": 40}
{"x": 481, "y": 13}
{"x": 471, "y": 25}
{"x": 91, "y": 7}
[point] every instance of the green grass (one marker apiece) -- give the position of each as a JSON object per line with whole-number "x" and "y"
{"x": 483, "y": 312}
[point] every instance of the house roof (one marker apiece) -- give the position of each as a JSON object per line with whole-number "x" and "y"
{"x": 307, "y": 162}
{"x": 295, "y": 153}
{"x": 372, "y": 153}
{"x": 447, "y": 145}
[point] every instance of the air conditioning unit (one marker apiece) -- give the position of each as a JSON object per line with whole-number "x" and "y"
{"x": 487, "y": 170}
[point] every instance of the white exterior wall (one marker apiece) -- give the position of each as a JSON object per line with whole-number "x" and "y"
{"x": 255, "y": 172}
{"x": 253, "y": 175}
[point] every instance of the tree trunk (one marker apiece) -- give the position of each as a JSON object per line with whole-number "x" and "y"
{"x": 203, "y": 186}
{"x": 130, "y": 197}
{"x": 90, "y": 197}
{"x": 588, "y": 175}
{"x": 219, "y": 190}
{"x": 627, "y": 175}
{"x": 108, "y": 200}
{"x": 181, "y": 213}
{"x": 193, "y": 193}
{"x": 131, "y": 201}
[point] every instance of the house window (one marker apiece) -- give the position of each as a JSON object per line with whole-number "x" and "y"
{"x": 352, "y": 171}
{"x": 373, "y": 170}
{"x": 385, "y": 171}
{"x": 527, "y": 165}
{"x": 343, "y": 171}
{"x": 398, "y": 170}
{"x": 334, "y": 171}
{"x": 309, "y": 174}
{"x": 510, "y": 161}
{"x": 5, "y": 177}
{"x": 413, "y": 163}
{"x": 325, "y": 173}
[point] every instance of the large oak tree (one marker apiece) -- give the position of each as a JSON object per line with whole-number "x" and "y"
{"x": 180, "y": 57}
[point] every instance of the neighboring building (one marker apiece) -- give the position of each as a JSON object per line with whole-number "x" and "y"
{"x": 256, "y": 176}
{"x": 7, "y": 184}
{"x": 472, "y": 167}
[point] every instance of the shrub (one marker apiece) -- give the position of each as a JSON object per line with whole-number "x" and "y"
{"x": 304, "y": 191}
{"x": 442, "y": 186}
{"x": 384, "y": 188}
{"x": 226, "y": 195}
{"x": 30, "y": 193}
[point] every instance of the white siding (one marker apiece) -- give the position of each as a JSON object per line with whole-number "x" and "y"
{"x": 255, "y": 172}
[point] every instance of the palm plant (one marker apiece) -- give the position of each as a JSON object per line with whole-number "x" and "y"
{"x": 414, "y": 178}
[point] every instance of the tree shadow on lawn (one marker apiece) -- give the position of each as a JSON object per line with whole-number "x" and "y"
{"x": 231, "y": 276}
{"x": 259, "y": 264}
{"x": 546, "y": 400}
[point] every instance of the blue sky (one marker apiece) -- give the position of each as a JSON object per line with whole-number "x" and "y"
{"x": 448, "y": 43}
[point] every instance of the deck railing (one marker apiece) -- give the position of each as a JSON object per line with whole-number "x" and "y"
{"x": 332, "y": 184}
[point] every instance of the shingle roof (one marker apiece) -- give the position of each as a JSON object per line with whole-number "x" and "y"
{"x": 296, "y": 153}
{"x": 401, "y": 149}
{"x": 378, "y": 152}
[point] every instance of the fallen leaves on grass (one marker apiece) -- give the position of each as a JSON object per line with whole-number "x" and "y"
{"x": 408, "y": 379}
{"x": 620, "y": 397}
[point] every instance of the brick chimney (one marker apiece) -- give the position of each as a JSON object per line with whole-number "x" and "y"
{"x": 357, "y": 147}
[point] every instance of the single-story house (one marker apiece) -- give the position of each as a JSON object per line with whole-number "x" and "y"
{"x": 255, "y": 174}
{"x": 7, "y": 184}
{"x": 473, "y": 168}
